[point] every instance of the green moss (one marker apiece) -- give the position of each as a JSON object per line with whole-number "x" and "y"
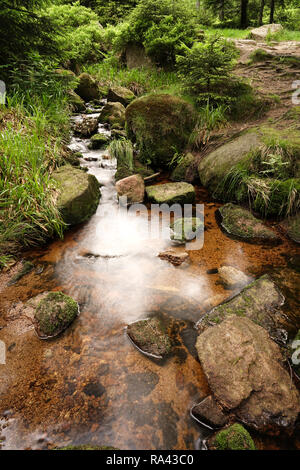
{"x": 171, "y": 193}
{"x": 98, "y": 141}
{"x": 161, "y": 126}
{"x": 235, "y": 437}
{"x": 54, "y": 313}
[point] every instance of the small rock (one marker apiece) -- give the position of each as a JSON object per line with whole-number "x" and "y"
{"x": 54, "y": 313}
{"x": 232, "y": 277}
{"x": 209, "y": 413}
{"x": 240, "y": 223}
{"x": 98, "y": 141}
{"x": 150, "y": 337}
{"x": 132, "y": 187}
{"x": 120, "y": 95}
{"x": 185, "y": 229}
{"x": 235, "y": 437}
{"x": 171, "y": 193}
{"x": 113, "y": 114}
{"x": 174, "y": 257}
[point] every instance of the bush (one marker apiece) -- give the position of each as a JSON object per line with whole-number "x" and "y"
{"x": 80, "y": 36}
{"x": 160, "y": 26}
{"x": 206, "y": 67}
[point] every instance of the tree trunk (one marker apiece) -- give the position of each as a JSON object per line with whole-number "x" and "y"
{"x": 261, "y": 12}
{"x": 272, "y": 10}
{"x": 222, "y": 10}
{"x": 244, "y": 14}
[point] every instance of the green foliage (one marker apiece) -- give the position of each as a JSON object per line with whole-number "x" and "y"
{"x": 206, "y": 66}
{"x": 110, "y": 11}
{"x": 160, "y": 26}
{"x": 235, "y": 437}
{"x": 210, "y": 119}
{"x": 122, "y": 151}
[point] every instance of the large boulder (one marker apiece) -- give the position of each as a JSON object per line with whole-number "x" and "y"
{"x": 160, "y": 124}
{"x": 78, "y": 196}
{"x": 120, "y": 94}
{"x": 261, "y": 301}
{"x": 113, "y": 114}
{"x": 88, "y": 88}
{"x": 98, "y": 141}
{"x": 76, "y": 102}
{"x": 245, "y": 371}
{"x": 136, "y": 57}
{"x": 214, "y": 166}
{"x": 132, "y": 187}
{"x": 261, "y": 33}
{"x": 241, "y": 224}
{"x": 52, "y": 313}
{"x": 171, "y": 193}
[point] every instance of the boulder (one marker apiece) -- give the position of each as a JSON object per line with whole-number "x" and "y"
{"x": 232, "y": 278}
{"x": 87, "y": 88}
{"x": 235, "y": 437}
{"x": 150, "y": 337}
{"x": 261, "y": 33}
{"x": 98, "y": 141}
{"x": 78, "y": 196}
{"x": 85, "y": 126}
{"x": 185, "y": 229}
{"x": 184, "y": 170}
{"x": 292, "y": 227}
{"x": 53, "y": 312}
{"x": 209, "y": 413}
{"x": 245, "y": 371}
{"x": 241, "y": 224}
{"x": 136, "y": 57}
{"x": 76, "y": 102}
{"x": 113, "y": 114}
{"x": 120, "y": 94}
{"x": 132, "y": 187}
{"x": 261, "y": 301}
{"x": 160, "y": 124}
{"x": 217, "y": 164}
{"x": 118, "y": 134}
{"x": 171, "y": 193}
{"x": 174, "y": 257}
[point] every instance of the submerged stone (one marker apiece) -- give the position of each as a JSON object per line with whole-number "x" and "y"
{"x": 261, "y": 301}
{"x": 171, "y": 193}
{"x": 246, "y": 373}
{"x": 232, "y": 278}
{"x": 240, "y": 223}
{"x": 235, "y": 437}
{"x": 185, "y": 229}
{"x": 209, "y": 413}
{"x": 79, "y": 194}
{"x": 54, "y": 313}
{"x": 150, "y": 337}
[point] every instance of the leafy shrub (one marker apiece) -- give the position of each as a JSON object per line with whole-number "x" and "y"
{"x": 206, "y": 67}
{"x": 160, "y": 26}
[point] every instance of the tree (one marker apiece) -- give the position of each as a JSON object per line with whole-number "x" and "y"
{"x": 244, "y": 13}
{"x": 272, "y": 11}
{"x": 261, "y": 12}
{"x": 24, "y": 28}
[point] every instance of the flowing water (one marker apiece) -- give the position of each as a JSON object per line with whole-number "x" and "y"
{"x": 90, "y": 385}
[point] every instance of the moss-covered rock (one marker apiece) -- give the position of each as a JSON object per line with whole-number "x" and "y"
{"x": 150, "y": 336}
{"x": 120, "y": 94}
{"x": 98, "y": 141}
{"x": 78, "y": 196}
{"x": 161, "y": 125}
{"x": 85, "y": 125}
{"x": 113, "y": 114}
{"x": 261, "y": 301}
{"x": 185, "y": 229}
{"x": 180, "y": 173}
{"x": 235, "y": 437}
{"x": 87, "y": 88}
{"x": 54, "y": 313}
{"x": 171, "y": 193}
{"x": 240, "y": 223}
{"x": 292, "y": 227}
{"x": 76, "y": 102}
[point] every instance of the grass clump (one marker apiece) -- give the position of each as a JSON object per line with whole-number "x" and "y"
{"x": 122, "y": 151}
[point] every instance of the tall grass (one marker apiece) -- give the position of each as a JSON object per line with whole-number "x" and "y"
{"x": 209, "y": 119}
{"x": 32, "y": 130}
{"x": 122, "y": 151}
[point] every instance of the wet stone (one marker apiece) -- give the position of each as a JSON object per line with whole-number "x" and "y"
{"x": 174, "y": 257}
{"x": 209, "y": 413}
{"x": 150, "y": 337}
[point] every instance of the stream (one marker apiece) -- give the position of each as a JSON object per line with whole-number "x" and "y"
{"x": 90, "y": 385}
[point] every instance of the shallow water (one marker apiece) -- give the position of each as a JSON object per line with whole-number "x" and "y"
{"x": 90, "y": 385}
